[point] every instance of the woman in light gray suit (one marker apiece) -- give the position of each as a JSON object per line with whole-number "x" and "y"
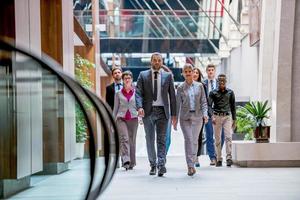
{"x": 126, "y": 116}
{"x": 192, "y": 109}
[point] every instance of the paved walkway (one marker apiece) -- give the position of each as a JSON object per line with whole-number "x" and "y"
{"x": 209, "y": 183}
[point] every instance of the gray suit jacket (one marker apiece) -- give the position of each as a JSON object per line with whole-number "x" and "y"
{"x": 144, "y": 92}
{"x": 121, "y": 105}
{"x": 183, "y": 101}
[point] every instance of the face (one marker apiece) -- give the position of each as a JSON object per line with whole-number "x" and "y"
{"x": 188, "y": 74}
{"x": 210, "y": 72}
{"x": 127, "y": 80}
{"x": 117, "y": 75}
{"x": 156, "y": 62}
{"x": 196, "y": 75}
{"x": 222, "y": 83}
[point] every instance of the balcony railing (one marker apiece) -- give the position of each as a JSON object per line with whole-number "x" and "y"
{"x": 154, "y": 24}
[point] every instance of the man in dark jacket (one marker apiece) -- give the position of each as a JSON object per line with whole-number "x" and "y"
{"x": 114, "y": 87}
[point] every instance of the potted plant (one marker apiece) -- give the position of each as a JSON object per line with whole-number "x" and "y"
{"x": 259, "y": 110}
{"x": 82, "y": 74}
{"x": 245, "y": 123}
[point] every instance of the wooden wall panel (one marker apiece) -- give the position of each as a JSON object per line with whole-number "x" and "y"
{"x": 8, "y": 138}
{"x": 51, "y": 29}
{"x": 53, "y": 106}
{"x": 7, "y": 19}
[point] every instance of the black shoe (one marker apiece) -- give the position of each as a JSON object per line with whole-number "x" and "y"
{"x": 219, "y": 164}
{"x": 229, "y": 162}
{"x": 161, "y": 171}
{"x": 152, "y": 171}
{"x": 212, "y": 162}
{"x": 126, "y": 165}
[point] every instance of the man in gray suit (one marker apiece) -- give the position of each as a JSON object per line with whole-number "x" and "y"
{"x": 156, "y": 101}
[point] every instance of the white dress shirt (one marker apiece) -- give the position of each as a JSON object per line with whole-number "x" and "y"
{"x": 159, "y": 101}
{"x": 191, "y": 92}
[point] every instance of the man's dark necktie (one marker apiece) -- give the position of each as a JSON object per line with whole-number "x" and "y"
{"x": 118, "y": 86}
{"x": 155, "y": 86}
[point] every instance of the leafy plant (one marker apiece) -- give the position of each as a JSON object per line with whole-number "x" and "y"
{"x": 259, "y": 110}
{"x": 82, "y": 71}
{"x": 82, "y": 74}
{"x": 81, "y": 126}
{"x": 251, "y": 116}
{"x": 245, "y": 122}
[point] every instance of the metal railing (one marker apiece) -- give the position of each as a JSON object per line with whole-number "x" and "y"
{"x": 154, "y": 24}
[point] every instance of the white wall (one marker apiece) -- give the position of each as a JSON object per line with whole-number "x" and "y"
{"x": 241, "y": 68}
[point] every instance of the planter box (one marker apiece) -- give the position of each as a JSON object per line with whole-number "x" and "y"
{"x": 279, "y": 154}
{"x": 262, "y": 134}
{"x": 238, "y": 136}
{"x": 79, "y": 150}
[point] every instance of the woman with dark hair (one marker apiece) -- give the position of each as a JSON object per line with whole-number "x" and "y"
{"x": 126, "y": 115}
{"x": 198, "y": 77}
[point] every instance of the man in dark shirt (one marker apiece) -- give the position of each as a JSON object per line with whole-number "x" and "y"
{"x": 222, "y": 109}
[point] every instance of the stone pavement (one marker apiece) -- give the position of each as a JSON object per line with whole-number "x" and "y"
{"x": 209, "y": 183}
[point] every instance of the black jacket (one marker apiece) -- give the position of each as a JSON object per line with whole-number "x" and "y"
{"x": 110, "y": 95}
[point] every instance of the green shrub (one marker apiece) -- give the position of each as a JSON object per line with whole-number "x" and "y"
{"x": 82, "y": 74}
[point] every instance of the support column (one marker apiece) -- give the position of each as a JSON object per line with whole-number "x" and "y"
{"x": 296, "y": 78}
{"x": 282, "y": 71}
{"x": 266, "y": 49}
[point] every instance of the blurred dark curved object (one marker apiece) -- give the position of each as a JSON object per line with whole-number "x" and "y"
{"x": 109, "y": 132}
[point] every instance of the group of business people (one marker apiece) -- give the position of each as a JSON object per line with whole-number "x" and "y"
{"x": 154, "y": 100}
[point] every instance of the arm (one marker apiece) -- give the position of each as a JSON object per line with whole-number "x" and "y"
{"x": 173, "y": 102}
{"x": 172, "y": 97}
{"x": 232, "y": 106}
{"x": 116, "y": 105}
{"x": 203, "y": 101}
{"x": 178, "y": 102}
{"x": 106, "y": 94}
{"x": 139, "y": 92}
{"x": 178, "y": 107}
{"x": 210, "y": 104}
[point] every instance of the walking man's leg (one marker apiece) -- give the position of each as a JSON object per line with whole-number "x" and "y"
{"x": 150, "y": 142}
{"x": 228, "y": 139}
{"x": 217, "y": 132}
{"x": 210, "y": 143}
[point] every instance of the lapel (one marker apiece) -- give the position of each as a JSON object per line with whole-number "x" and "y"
{"x": 113, "y": 88}
{"x": 163, "y": 80}
{"x": 149, "y": 77}
{"x": 186, "y": 93}
{"x": 206, "y": 82}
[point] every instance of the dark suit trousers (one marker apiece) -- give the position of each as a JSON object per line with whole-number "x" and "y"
{"x": 156, "y": 122}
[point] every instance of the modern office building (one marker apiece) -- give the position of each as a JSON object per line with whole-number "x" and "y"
{"x": 256, "y": 43}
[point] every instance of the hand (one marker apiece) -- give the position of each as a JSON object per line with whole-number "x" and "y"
{"x": 205, "y": 119}
{"x": 141, "y": 112}
{"x": 213, "y": 120}
{"x": 233, "y": 124}
{"x": 174, "y": 123}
